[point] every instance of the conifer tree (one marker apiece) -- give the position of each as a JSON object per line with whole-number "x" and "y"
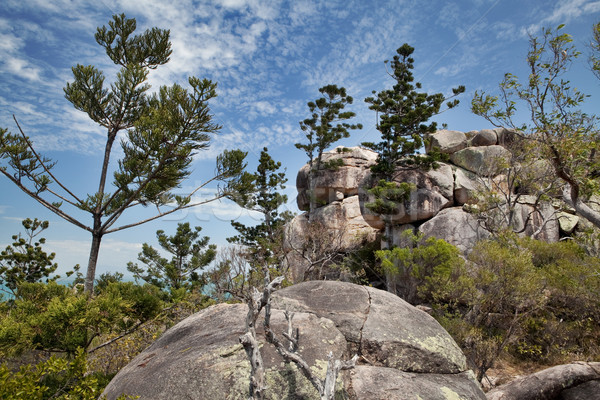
{"x": 403, "y": 119}
{"x": 25, "y": 260}
{"x": 264, "y": 240}
{"x": 190, "y": 253}
{"x": 323, "y": 128}
{"x": 163, "y": 131}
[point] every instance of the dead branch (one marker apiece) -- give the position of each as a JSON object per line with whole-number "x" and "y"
{"x": 547, "y": 384}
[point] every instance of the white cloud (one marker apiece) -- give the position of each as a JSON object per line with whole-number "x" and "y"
{"x": 564, "y": 12}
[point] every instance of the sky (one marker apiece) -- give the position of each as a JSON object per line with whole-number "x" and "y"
{"x": 269, "y": 59}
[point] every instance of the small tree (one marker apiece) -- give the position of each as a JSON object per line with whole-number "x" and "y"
{"x": 323, "y": 128}
{"x": 188, "y": 256}
{"x": 163, "y": 132}
{"x": 402, "y": 119}
{"x": 25, "y": 260}
{"x": 566, "y": 136}
{"x": 264, "y": 241}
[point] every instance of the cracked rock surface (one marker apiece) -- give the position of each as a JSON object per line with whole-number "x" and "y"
{"x": 405, "y": 353}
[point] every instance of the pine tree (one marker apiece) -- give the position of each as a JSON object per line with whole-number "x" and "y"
{"x": 403, "y": 114}
{"x": 163, "y": 132}
{"x": 264, "y": 241}
{"x": 190, "y": 253}
{"x": 324, "y": 128}
{"x": 25, "y": 260}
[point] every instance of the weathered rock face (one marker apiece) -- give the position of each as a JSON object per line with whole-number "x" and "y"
{"x": 448, "y": 141}
{"x": 335, "y": 184}
{"x": 481, "y": 160}
{"x": 456, "y": 227}
{"x": 405, "y": 353}
{"x": 485, "y": 137}
{"x": 339, "y": 225}
{"x": 434, "y": 192}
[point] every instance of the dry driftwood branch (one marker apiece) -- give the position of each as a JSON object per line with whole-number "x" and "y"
{"x": 325, "y": 388}
{"x": 547, "y": 384}
{"x": 256, "y": 302}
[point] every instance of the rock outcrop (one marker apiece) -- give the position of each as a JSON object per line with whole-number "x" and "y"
{"x": 435, "y": 207}
{"x": 405, "y": 353}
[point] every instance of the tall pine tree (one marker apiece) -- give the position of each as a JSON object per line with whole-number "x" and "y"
{"x": 264, "y": 241}
{"x": 403, "y": 119}
{"x": 324, "y": 127}
{"x": 162, "y": 131}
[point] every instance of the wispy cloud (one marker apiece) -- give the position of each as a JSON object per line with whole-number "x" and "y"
{"x": 563, "y": 12}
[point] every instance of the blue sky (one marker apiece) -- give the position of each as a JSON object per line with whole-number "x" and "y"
{"x": 269, "y": 58}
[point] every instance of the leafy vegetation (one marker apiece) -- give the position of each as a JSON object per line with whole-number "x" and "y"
{"x": 25, "y": 260}
{"x": 324, "y": 127}
{"x": 565, "y": 136}
{"x": 512, "y": 296}
{"x": 519, "y": 296}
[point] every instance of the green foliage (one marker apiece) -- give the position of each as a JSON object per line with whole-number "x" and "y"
{"x": 388, "y": 195}
{"x": 323, "y": 128}
{"x": 403, "y": 114}
{"x": 419, "y": 266}
{"x": 25, "y": 260}
{"x": 361, "y": 265}
{"x": 264, "y": 240}
{"x": 594, "y": 58}
{"x": 536, "y": 300}
{"x": 163, "y": 132}
{"x": 188, "y": 257}
{"x": 56, "y": 318}
{"x": 55, "y": 378}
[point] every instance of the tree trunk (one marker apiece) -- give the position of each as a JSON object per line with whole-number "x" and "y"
{"x": 390, "y": 279}
{"x": 547, "y": 384}
{"x": 311, "y": 196}
{"x": 91, "y": 269}
{"x": 572, "y": 199}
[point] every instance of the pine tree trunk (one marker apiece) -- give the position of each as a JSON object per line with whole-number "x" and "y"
{"x": 311, "y": 196}
{"x": 91, "y": 269}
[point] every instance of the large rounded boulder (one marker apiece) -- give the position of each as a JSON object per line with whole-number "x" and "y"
{"x": 404, "y": 353}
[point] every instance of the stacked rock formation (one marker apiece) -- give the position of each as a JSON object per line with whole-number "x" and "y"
{"x": 436, "y": 207}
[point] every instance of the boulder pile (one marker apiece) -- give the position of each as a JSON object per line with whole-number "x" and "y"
{"x": 437, "y": 206}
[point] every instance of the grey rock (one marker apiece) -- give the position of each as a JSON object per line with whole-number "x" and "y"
{"x": 567, "y": 222}
{"x": 506, "y": 137}
{"x": 390, "y": 384}
{"x": 201, "y": 357}
{"x": 485, "y": 137}
{"x": 447, "y": 141}
{"x": 586, "y": 391}
{"x": 541, "y": 218}
{"x": 434, "y": 192}
{"x": 457, "y": 227}
{"x": 466, "y": 184}
{"x": 334, "y": 184}
{"x": 345, "y": 228}
{"x": 485, "y": 161}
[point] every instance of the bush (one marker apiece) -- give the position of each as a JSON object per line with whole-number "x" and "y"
{"x": 55, "y": 378}
{"x": 413, "y": 270}
{"x": 536, "y": 300}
